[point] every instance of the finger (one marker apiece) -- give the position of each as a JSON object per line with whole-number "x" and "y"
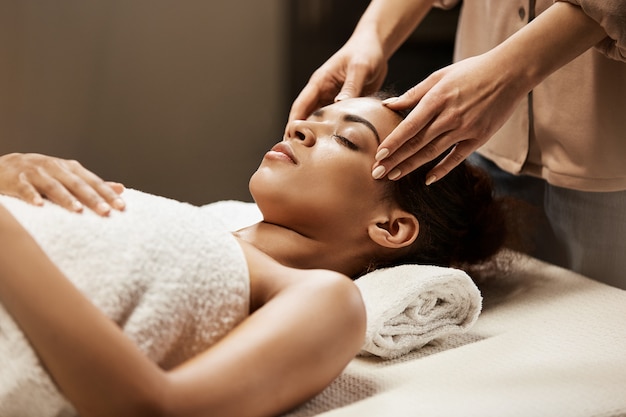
{"x": 454, "y": 158}
{"x": 371, "y": 87}
{"x": 318, "y": 92}
{"x": 111, "y": 195}
{"x": 411, "y": 97}
{"x": 409, "y": 128}
{"x": 430, "y": 142}
{"x": 413, "y": 155}
{"x": 356, "y": 75}
{"x": 90, "y": 189}
{"x": 424, "y": 110}
{"x": 456, "y": 155}
{"x": 306, "y": 102}
{"x": 107, "y": 191}
{"x": 64, "y": 182}
{"x": 403, "y": 163}
{"x": 54, "y": 190}
{"x": 116, "y": 186}
{"x": 407, "y": 138}
{"x": 26, "y": 191}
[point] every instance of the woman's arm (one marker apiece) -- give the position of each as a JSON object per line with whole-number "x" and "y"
{"x": 461, "y": 106}
{"x": 95, "y": 365}
{"x": 67, "y": 183}
{"x": 360, "y": 66}
{"x": 390, "y": 22}
{"x": 611, "y": 15}
{"x": 308, "y": 326}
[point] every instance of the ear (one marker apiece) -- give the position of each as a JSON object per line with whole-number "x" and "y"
{"x": 396, "y": 230}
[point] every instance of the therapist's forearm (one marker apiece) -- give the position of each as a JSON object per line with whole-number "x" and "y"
{"x": 392, "y": 21}
{"x": 95, "y": 365}
{"x": 553, "y": 39}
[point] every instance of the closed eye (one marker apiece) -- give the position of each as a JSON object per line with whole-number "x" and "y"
{"x": 346, "y": 142}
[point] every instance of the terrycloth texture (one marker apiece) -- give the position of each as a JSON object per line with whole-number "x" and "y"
{"x": 548, "y": 343}
{"x": 170, "y": 274}
{"x": 410, "y": 305}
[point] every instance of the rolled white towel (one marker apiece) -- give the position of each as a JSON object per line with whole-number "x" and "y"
{"x": 410, "y": 305}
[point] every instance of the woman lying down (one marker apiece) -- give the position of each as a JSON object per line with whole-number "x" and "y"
{"x": 269, "y": 315}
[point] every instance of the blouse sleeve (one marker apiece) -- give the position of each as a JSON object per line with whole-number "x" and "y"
{"x": 611, "y": 15}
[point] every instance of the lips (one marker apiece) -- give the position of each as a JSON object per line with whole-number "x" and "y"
{"x": 285, "y": 151}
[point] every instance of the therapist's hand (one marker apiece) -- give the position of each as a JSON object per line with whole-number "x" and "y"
{"x": 31, "y": 177}
{"x": 358, "y": 68}
{"x": 456, "y": 110}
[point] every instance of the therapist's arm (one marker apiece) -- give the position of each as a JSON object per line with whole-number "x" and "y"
{"x": 461, "y": 106}
{"x": 390, "y": 22}
{"x": 360, "y": 66}
{"x": 33, "y": 177}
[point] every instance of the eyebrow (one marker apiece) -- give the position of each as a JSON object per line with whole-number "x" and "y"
{"x": 354, "y": 119}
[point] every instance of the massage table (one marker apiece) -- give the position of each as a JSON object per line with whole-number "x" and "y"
{"x": 548, "y": 342}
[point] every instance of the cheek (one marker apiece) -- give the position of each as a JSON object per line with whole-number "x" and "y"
{"x": 346, "y": 181}
{"x": 329, "y": 186}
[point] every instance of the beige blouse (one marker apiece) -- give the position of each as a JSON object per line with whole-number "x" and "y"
{"x": 571, "y": 130}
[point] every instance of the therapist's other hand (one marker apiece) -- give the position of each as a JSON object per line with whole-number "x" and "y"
{"x": 32, "y": 177}
{"x": 358, "y": 68}
{"x": 455, "y": 110}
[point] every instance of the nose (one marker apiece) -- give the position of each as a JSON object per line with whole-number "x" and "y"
{"x": 300, "y": 130}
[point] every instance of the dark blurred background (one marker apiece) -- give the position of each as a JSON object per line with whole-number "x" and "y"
{"x": 177, "y": 98}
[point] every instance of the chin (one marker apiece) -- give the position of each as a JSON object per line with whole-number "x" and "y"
{"x": 263, "y": 195}
{"x": 268, "y": 186}
{"x": 257, "y": 186}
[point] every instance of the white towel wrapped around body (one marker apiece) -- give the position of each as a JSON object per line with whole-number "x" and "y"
{"x": 410, "y": 305}
{"x": 171, "y": 275}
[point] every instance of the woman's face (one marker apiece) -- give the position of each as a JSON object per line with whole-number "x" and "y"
{"x": 319, "y": 177}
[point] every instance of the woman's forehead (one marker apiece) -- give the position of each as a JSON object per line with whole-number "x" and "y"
{"x": 357, "y": 105}
{"x": 368, "y": 108}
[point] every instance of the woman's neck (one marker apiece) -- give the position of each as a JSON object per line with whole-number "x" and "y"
{"x": 293, "y": 249}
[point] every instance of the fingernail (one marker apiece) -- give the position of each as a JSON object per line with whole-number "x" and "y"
{"x": 431, "y": 179}
{"x": 378, "y": 172}
{"x": 103, "y": 207}
{"x": 390, "y": 100}
{"x": 382, "y": 154}
{"x": 394, "y": 174}
{"x": 119, "y": 184}
{"x": 341, "y": 96}
{"x": 119, "y": 204}
{"x": 38, "y": 201}
{"x": 77, "y": 206}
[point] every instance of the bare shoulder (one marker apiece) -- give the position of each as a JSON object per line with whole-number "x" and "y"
{"x": 269, "y": 278}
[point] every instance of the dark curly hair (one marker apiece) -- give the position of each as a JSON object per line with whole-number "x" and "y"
{"x": 462, "y": 223}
